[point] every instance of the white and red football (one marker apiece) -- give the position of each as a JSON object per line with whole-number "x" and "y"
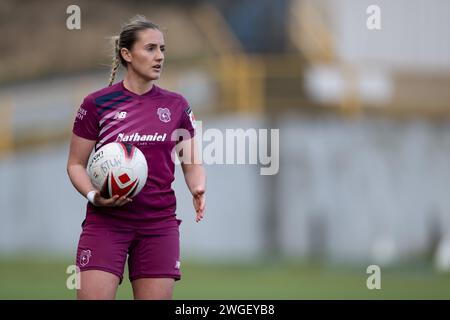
{"x": 118, "y": 168}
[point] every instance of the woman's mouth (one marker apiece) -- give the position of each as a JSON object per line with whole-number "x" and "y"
{"x": 157, "y": 67}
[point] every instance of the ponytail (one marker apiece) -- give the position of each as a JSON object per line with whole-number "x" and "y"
{"x": 115, "y": 62}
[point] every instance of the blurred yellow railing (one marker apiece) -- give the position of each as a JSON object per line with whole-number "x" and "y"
{"x": 6, "y": 130}
{"x": 255, "y": 83}
{"x": 240, "y": 79}
{"x": 250, "y": 83}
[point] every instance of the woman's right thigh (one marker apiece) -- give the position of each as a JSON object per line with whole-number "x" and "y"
{"x": 97, "y": 285}
{"x": 101, "y": 256}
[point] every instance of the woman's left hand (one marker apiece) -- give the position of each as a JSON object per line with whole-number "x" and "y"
{"x": 199, "y": 203}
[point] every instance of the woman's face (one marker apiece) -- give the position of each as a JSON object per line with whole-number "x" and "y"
{"x": 146, "y": 57}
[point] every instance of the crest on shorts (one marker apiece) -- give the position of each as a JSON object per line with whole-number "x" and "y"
{"x": 164, "y": 114}
{"x": 84, "y": 257}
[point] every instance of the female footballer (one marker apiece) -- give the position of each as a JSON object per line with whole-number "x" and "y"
{"x": 144, "y": 228}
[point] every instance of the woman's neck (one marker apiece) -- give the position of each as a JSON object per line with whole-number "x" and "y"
{"x": 136, "y": 84}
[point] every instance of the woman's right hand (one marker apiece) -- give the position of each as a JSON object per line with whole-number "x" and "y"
{"x": 114, "y": 201}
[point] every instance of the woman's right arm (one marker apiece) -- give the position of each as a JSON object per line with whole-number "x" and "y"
{"x": 80, "y": 149}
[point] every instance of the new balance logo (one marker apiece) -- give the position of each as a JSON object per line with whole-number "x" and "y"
{"x": 120, "y": 115}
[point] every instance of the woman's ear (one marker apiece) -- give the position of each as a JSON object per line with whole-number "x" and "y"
{"x": 126, "y": 55}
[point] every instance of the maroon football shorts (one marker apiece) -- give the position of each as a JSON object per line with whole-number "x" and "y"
{"x": 153, "y": 248}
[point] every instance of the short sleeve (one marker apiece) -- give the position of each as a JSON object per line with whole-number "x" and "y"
{"x": 86, "y": 120}
{"x": 187, "y": 118}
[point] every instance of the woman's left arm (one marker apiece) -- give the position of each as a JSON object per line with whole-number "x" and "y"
{"x": 194, "y": 174}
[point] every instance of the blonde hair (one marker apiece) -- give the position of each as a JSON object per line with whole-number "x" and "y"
{"x": 126, "y": 39}
{"x": 115, "y": 62}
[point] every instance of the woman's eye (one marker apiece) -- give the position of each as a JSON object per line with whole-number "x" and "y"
{"x": 153, "y": 48}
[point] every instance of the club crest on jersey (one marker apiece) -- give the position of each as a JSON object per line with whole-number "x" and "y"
{"x": 190, "y": 114}
{"x": 164, "y": 114}
{"x": 84, "y": 257}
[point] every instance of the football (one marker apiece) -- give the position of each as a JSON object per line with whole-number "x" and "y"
{"x": 118, "y": 168}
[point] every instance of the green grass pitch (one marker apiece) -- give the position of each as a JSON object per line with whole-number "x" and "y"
{"x": 30, "y": 278}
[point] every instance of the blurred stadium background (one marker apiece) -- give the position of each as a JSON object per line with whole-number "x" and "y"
{"x": 364, "y": 119}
